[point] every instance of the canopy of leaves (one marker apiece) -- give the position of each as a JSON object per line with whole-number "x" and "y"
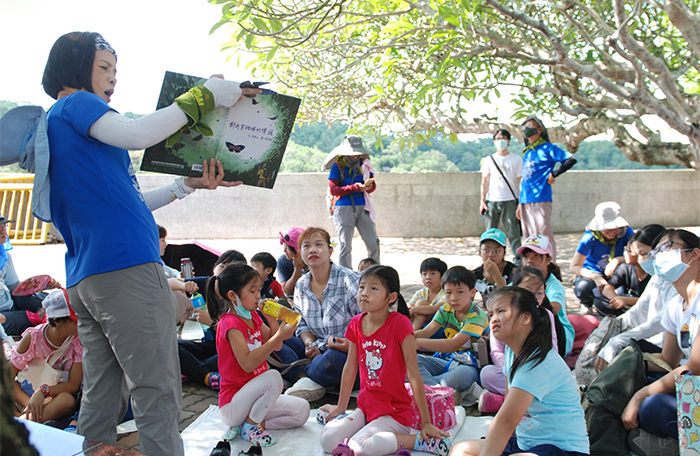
{"x": 412, "y": 68}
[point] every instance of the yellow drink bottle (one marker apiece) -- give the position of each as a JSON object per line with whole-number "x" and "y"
{"x": 280, "y": 312}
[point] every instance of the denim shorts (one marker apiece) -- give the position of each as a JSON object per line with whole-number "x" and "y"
{"x": 540, "y": 450}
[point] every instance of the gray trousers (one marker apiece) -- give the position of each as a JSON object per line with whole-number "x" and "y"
{"x": 504, "y": 210}
{"x": 127, "y": 328}
{"x": 346, "y": 218}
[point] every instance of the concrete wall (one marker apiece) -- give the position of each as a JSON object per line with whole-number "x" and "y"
{"x": 424, "y": 205}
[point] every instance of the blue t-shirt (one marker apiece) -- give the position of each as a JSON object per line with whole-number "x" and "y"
{"x": 555, "y": 293}
{"x": 598, "y": 254}
{"x": 96, "y": 202}
{"x": 555, "y": 415}
{"x": 538, "y": 164}
{"x": 347, "y": 200}
{"x": 285, "y": 268}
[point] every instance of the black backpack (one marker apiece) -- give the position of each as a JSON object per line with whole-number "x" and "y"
{"x": 607, "y": 396}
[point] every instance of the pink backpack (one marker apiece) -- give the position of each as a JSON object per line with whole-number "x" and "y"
{"x": 441, "y": 407}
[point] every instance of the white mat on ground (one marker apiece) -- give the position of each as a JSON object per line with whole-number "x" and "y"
{"x": 201, "y": 436}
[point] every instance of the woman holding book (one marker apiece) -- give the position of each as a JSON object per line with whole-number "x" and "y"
{"x": 114, "y": 275}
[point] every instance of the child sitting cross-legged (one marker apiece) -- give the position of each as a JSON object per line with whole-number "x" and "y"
{"x": 250, "y": 399}
{"x": 426, "y": 301}
{"x": 454, "y": 363}
{"x": 381, "y": 346}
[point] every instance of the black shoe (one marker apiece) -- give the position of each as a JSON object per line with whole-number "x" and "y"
{"x": 255, "y": 450}
{"x": 223, "y": 448}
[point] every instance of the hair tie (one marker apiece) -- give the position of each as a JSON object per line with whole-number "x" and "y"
{"x": 102, "y": 45}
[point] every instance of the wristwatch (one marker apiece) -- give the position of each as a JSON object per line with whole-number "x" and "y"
{"x": 46, "y": 389}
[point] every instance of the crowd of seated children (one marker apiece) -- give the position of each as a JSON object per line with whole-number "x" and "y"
{"x": 463, "y": 322}
{"x": 427, "y": 301}
{"x": 600, "y": 251}
{"x": 495, "y": 271}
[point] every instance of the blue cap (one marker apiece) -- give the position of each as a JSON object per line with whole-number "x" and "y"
{"x": 494, "y": 234}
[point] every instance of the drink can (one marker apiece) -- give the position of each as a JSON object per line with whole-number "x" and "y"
{"x": 186, "y": 268}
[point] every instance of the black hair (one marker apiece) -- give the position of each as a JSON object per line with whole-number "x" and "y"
{"x": 544, "y": 135}
{"x": 390, "y": 279}
{"x": 539, "y": 342}
{"x": 52, "y": 321}
{"x": 162, "y": 232}
{"x": 524, "y": 273}
{"x": 230, "y": 256}
{"x": 369, "y": 261}
{"x": 234, "y": 277}
{"x": 502, "y": 131}
{"x": 266, "y": 259}
{"x": 647, "y": 234}
{"x": 433, "y": 264}
{"x": 459, "y": 274}
{"x": 685, "y": 236}
{"x": 70, "y": 63}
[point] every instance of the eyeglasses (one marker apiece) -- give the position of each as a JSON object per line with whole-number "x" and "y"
{"x": 665, "y": 247}
{"x": 486, "y": 250}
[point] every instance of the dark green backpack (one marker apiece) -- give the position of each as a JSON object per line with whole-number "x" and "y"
{"x": 607, "y": 396}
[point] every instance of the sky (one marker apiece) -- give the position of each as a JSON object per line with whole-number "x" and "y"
{"x": 149, "y": 36}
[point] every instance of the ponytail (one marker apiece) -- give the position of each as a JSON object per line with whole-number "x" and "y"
{"x": 401, "y": 306}
{"x": 539, "y": 342}
{"x": 555, "y": 270}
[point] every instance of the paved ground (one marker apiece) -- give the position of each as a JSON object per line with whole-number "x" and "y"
{"x": 403, "y": 254}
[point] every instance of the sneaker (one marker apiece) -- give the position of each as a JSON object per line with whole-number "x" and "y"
{"x": 343, "y": 449}
{"x": 490, "y": 402}
{"x": 214, "y": 381}
{"x": 441, "y": 447}
{"x": 306, "y": 388}
{"x": 644, "y": 443}
{"x": 257, "y": 435}
{"x": 232, "y": 432}
{"x": 221, "y": 449}
{"x": 252, "y": 451}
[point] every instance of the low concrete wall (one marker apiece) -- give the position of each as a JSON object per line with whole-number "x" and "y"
{"x": 424, "y": 205}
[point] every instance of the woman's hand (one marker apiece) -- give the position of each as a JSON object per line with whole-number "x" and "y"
{"x": 35, "y": 407}
{"x": 599, "y": 280}
{"x": 551, "y": 180}
{"x": 518, "y": 214}
{"x": 600, "y": 364}
{"x": 338, "y": 343}
{"x": 202, "y": 316}
{"x": 312, "y": 350}
{"x": 429, "y": 431}
{"x": 611, "y": 266}
{"x": 212, "y": 177}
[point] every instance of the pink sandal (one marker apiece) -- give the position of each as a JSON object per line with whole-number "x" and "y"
{"x": 343, "y": 449}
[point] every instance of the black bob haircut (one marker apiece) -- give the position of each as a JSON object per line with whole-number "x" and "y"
{"x": 459, "y": 274}
{"x": 433, "y": 264}
{"x": 266, "y": 259}
{"x": 70, "y": 63}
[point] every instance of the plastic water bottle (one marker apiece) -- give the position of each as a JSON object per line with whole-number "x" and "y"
{"x": 280, "y": 312}
{"x": 186, "y": 268}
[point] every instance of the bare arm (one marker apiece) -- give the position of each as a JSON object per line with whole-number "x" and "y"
{"x": 506, "y": 420}
{"x": 578, "y": 269}
{"x": 444, "y": 345}
{"x": 346, "y": 382}
{"x": 249, "y": 359}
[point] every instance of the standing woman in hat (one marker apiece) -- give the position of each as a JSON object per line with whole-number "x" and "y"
{"x": 351, "y": 180}
{"x": 114, "y": 275}
{"x": 600, "y": 251}
{"x": 539, "y": 158}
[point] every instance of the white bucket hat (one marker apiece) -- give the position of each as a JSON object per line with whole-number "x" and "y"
{"x": 350, "y": 147}
{"x": 608, "y": 216}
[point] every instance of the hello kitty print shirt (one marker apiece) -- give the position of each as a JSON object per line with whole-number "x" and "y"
{"x": 382, "y": 368}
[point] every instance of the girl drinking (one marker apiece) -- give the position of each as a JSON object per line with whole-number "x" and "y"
{"x": 250, "y": 395}
{"x": 382, "y": 345}
{"x": 533, "y": 408}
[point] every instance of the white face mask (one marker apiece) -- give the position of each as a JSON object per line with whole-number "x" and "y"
{"x": 501, "y": 144}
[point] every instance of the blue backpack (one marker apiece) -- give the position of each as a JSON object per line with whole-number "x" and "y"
{"x": 24, "y": 139}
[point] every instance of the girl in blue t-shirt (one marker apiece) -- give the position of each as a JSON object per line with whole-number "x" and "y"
{"x": 541, "y": 393}
{"x": 600, "y": 251}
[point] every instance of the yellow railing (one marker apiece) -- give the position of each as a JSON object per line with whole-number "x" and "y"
{"x": 16, "y": 204}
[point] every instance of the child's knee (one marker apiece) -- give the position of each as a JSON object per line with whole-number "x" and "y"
{"x": 331, "y": 436}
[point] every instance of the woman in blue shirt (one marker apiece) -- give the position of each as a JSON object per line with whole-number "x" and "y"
{"x": 600, "y": 251}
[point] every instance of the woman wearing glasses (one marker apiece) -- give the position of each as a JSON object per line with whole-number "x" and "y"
{"x": 653, "y": 408}
{"x": 600, "y": 251}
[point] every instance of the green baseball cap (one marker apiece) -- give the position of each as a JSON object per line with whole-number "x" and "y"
{"x": 494, "y": 234}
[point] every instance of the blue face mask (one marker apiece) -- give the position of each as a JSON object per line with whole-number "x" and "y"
{"x": 669, "y": 265}
{"x": 240, "y": 310}
{"x": 648, "y": 266}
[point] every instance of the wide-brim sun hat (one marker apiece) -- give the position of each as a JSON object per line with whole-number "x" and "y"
{"x": 350, "y": 147}
{"x": 608, "y": 216}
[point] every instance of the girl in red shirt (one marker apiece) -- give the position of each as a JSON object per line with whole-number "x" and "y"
{"x": 250, "y": 399}
{"x": 382, "y": 345}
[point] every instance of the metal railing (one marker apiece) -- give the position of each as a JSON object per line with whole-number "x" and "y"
{"x": 16, "y": 204}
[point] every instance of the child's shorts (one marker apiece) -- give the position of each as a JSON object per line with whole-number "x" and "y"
{"x": 539, "y": 450}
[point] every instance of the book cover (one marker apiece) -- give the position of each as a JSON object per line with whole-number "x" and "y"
{"x": 249, "y": 138}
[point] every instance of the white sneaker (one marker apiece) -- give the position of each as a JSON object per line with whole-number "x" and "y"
{"x": 306, "y": 389}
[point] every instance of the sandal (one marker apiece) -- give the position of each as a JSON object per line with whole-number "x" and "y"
{"x": 403, "y": 452}
{"x": 255, "y": 450}
{"x": 343, "y": 449}
{"x": 223, "y": 448}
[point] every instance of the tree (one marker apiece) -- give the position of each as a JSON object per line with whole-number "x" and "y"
{"x": 411, "y": 67}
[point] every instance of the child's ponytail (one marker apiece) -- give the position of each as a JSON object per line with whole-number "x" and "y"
{"x": 539, "y": 342}
{"x": 390, "y": 279}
